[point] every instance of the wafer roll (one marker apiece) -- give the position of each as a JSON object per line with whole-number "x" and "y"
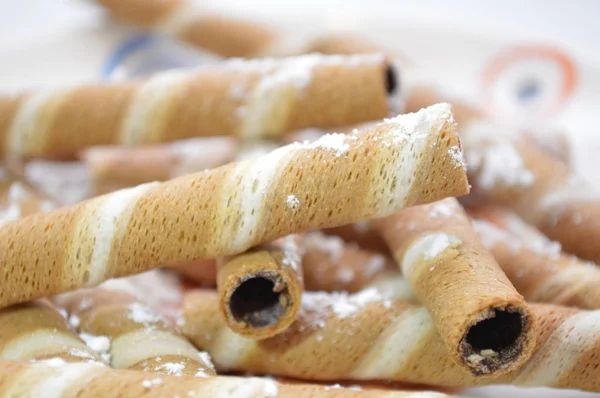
{"x": 250, "y": 99}
{"x": 260, "y": 291}
{"x": 114, "y": 167}
{"x": 336, "y": 180}
{"x": 37, "y": 331}
{"x": 483, "y": 320}
{"x": 94, "y": 381}
{"x": 226, "y": 36}
{"x": 129, "y": 333}
{"x": 535, "y": 265}
{"x": 329, "y": 341}
{"x": 18, "y": 199}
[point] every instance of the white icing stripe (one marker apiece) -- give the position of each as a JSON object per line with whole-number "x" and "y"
{"x": 234, "y": 387}
{"x": 392, "y": 286}
{"x": 413, "y": 132}
{"x": 40, "y": 343}
{"x": 571, "y": 279}
{"x": 178, "y": 20}
{"x": 61, "y": 379}
{"x": 115, "y": 208}
{"x": 258, "y": 176}
{"x": 147, "y": 106}
{"x": 426, "y": 248}
{"x": 229, "y": 349}
{"x": 394, "y": 348}
{"x": 131, "y": 348}
{"x": 563, "y": 350}
{"x": 24, "y": 127}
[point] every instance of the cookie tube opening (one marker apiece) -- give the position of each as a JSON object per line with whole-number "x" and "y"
{"x": 391, "y": 80}
{"x": 496, "y": 340}
{"x": 260, "y": 300}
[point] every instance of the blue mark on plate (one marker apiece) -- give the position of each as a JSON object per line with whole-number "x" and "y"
{"x": 528, "y": 90}
{"x": 123, "y": 51}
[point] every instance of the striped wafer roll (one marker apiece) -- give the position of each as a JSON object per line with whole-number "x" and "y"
{"x": 249, "y": 99}
{"x": 260, "y": 291}
{"x": 129, "y": 334}
{"x": 329, "y": 341}
{"x": 535, "y": 265}
{"x": 407, "y": 160}
{"x": 116, "y": 167}
{"x": 18, "y": 199}
{"x": 226, "y": 36}
{"x": 93, "y": 381}
{"x": 482, "y": 319}
{"x": 37, "y": 331}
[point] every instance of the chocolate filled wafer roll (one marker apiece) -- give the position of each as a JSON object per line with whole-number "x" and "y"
{"x": 116, "y": 167}
{"x": 260, "y": 291}
{"x": 130, "y": 334}
{"x": 339, "y": 179}
{"x": 37, "y": 331}
{"x": 249, "y": 99}
{"x": 535, "y": 265}
{"x": 94, "y": 381}
{"x": 223, "y": 35}
{"x": 329, "y": 341}
{"x": 483, "y": 320}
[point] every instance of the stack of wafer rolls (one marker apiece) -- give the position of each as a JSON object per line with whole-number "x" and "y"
{"x": 260, "y": 291}
{"x": 129, "y": 333}
{"x": 18, "y": 199}
{"x": 511, "y": 171}
{"x": 484, "y": 322}
{"x": 328, "y": 263}
{"x": 535, "y": 265}
{"x": 37, "y": 331}
{"x": 94, "y": 381}
{"x": 404, "y": 161}
{"x": 249, "y": 99}
{"x": 329, "y": 341}
{"x": 115, "y": 167}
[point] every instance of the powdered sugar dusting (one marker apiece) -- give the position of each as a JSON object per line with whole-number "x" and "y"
{"x": 292, "y": 255}
{"x": 456, "y": 154}
{"x": 292, "y": 202}
{"x": 444, "y": 208}
{"x": 271, "y": 388}
{"x": 342, "y": 304}
{"x": 152, "y": 382}
{"x": 499, "y": 165}
{"x": 140, "y": 313}
{"x": 427, "y": 248}
{"x": 333, "y": 246}
{"x": 172, "y": 368}
{"x": 98, "y": 344}
{"x": 334, "y": 142}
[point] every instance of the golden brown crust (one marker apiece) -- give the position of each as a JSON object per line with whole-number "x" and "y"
{"x": 458, "y": 280}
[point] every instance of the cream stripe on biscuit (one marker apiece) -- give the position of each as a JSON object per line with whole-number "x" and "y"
{"x": 396, "y": 345}
{"x": 557, "y": 358}
{"x": 156, "y": 343}
{"x": 114, "y": 209}
{"x": 40, "y": 343}
{"x": 56, "y": 384}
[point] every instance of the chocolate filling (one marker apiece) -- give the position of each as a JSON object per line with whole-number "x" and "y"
{"x": 391, "y": 80}
{"x": 260, "y": 300}
{"x": 495, "y": 341}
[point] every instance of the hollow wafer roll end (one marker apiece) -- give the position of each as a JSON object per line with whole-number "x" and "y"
{"x": 260, "y": 292}
{"x": 484, "y": 322}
